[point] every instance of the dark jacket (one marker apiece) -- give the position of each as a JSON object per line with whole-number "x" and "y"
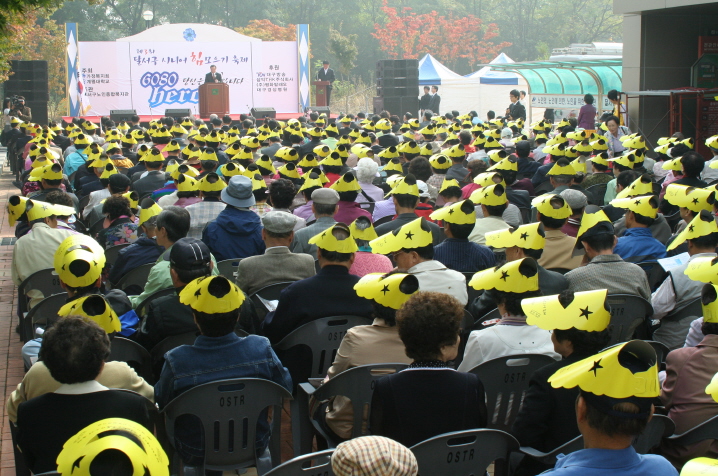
{"x": 435, "y": 103}
{"x": 527, "y": 167}
{"x": 144, "y": 250}
{"x": 209, "y": 79}
{"x": 235, "y": 233}
{"x": 424, "y": 101}
{"x": 149, "y": 183}
{"x": 414, "y": 405}
{"x": 328, "y": 76}
{"x": 309, "y": 146}
{"x": 517, "y": 111}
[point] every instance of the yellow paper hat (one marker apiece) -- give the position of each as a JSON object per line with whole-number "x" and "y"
{"x": 230, "y": 169}
{"x": 703, "y": 224}
{"x": 643, "y": 185}
{"x": 709, "y": 303}
{"x": 545, "y": 207}
{"x": 702, "y": 466}
{"x": 489, "y": 178}
{"x": 505, "y": 164}
{"x": 447, "y": 184}
{"x": 173, "y": 146}
{"x": 517, "y": 276}
{"x": 703, "y": 269}
{"x": 36, "y": 209}
{"x": 258, "y": 182}
{"x": 347, "y": 183}
{"x": 148, "y": 212}
{"x": 694, "y": 199}
{"x": 185, "y": 183}
{"x": 208, "y": 154}
{"x": 389, "y": 153}
{"x": 366, "y": 234}
{"x": 589, "y": 220}
{"x": 409, "y": 147}
{"x": 579, "y": 165}
{"x": 108, "y": 171}
{"x": 184, "y": 169}
{"x": 426, "y": 149}
{"x": 311, "y": 180}
{"x": 212, "y": 295}
{"x": 455, "y": 151}
{"x": 93, "y": 307}
{"x": 601, "y": 159}
{"x": 646, "y": 205}
{"x": 334, "y": 160}
{"x": 391, "y": 290}
{"x": 636, "y": 142}
{"x": 138, "y": 444}
{"x": 15, "y": 208}
{"x": 308, "y": 161}
{"x": 133, "y": 198}
{"x": 405, "y": 186}
{"x": 529, "y": 237}
{"x": 413, "y": 235}
{"x": 588, "y": 311}
{"x": 440, "y": 162}
{"x": 606, "y": 373}
{"x": 288, "y": 154}
{"x": 712, "y": 142}
{"x": 288, "y": 170}
{"x": 493, "y": 195}
{"x": 79, "y": 261}
{"x": 154, "y": 155}
{"x": 211, "y": 183}
{"x": 599, "y": 144}
{"x": 266, "y": 163}
{"x": 327, "y": 240}
{"x": 562, "y": 167}
{"x": 395, "y": 166}
{"x": 459, "y": 213}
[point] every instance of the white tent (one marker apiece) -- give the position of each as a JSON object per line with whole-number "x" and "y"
{"x": 496, "y": 86}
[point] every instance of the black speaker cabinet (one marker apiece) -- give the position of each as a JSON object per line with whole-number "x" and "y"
{"x": 118, "y": 115}
{"x": 178, "y": 113}
{"x": 261, "y": 112}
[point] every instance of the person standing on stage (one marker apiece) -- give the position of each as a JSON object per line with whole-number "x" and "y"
{"x": 424, "y": 101}
{"x": 326, "y": 74}
{"x": 213, "y": 76}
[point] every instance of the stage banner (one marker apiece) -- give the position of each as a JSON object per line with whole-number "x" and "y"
{"x": 275, "y": 81}
{"x": 104, "y": 75}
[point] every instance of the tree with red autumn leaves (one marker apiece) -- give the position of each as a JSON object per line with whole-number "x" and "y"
{"x": 460, "y": 43}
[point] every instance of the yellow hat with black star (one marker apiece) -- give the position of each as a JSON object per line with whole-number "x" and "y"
{"x": 134, "y": 199}
{"x": 266, "y": 163}
{"x": 601, "y": 159}
{"x": 308, "y": 161}
{"x": 332, "y": 239}
{"x": 334, "y": 160}
{"x": 288, "y": 170}
{"x": 15, "y": 208}
{"x": 211, "y": 183}
{"x": 347, "y": 183}
{"x": 142, "y": 450}
{"x": 619, "y": 372}
{"x": 562, "y": 167}
{"x": 459, "y": 213}
{"x": 645, "y": 205}
{"x": 447, "y": 184}
{"x": 585, "y": 311}
{"x": 593, "y": 224}
{"x": 108, "y": 171}
{"x": 413, "y": 235}
{"x": 492, "y": 195}
{"x": 185, "y": 183}
{"x": 712, "y": 142}
{"x": 311, "y": 180}
{"x": 643, "y": 185}
{"x": 505, "y": 164}
{"x": 694, "y": 199}
{"x": 212, "y": 295}
{"x": 429, "y": 130}
{"x": 364, "y": 231}
{"x": 147, "y": 212}
{"x": 391, "y": 290}
{"x": 409, "y": 147}
{"x": 440, "y": 162}
{"x": 36, "y": 210}
{"x": 702, "y": 224}
{"x": 627, "y": 160}
{"x": 230, "y": 169}
{"x": 51, "y": 172}
{"x": 95, "y": 308}
{"x": 599, "y": 144}
{"x": 173, "y": 146}
{"x": 258, "y": 182}
{"x": 79, "y": 261}
{"x": 583, "y": 147}
{"x": 394, "y": 165}
{"x": 517, "y": 276}
{"x": 287, "y": 154}
{"x": 154, "y": 155}
{"x": 208, "y": 154}
{"x": 405, "y": 186}
{"x": 528, "y": 237}
{"x": 489, "y": 178}
{"x": 456, "y": 151}
{"x": 321, "y": 151}
{"x": 709, "y": 303}
{"x": 389, "y": 153}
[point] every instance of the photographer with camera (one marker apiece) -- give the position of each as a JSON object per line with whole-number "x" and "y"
{"x": 19, "y": 109}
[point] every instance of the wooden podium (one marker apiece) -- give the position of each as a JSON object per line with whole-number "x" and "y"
{"x": 213, "y": 99}
{"x": 320, "y": 93}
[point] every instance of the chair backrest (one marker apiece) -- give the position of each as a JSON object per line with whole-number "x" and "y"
{"x": 112, "y": 252}
{"x": 228, "y": 268}
{"x": 559, "y": 270}
{"x": 472, "y": 293}
{"x": 595, "y": 194}
{"x": 357, "y": 384}
{"x": 323, "y": 337}
{"x": 165, "y": 345}
{"x": 141, "y": 309}
{"x": 313, "y": 464}
{"x": 137, "y": 276}
{"x": 83, "y": 202}
{"x": 661, "y": 350}
{"x": 543, "y": 188}
{"x": 487, "y": 320}
{"x": 463, "y": 453}
{"x": 628, "y": 311}
{"x": 268, "y": 293}
{"x": 44, "y": 281}
{"x": 506, "y": 380}
{"x": 708, "y": 430}
{"x": 525, "y": 215}
{"x": 383, "y": 220}
{"x": 42, "y": 315}
{"x": 20, "y": 466}
{"x": 673, "y": 219}
{"x": 96, "y": 227}
{"x": 692, "y": 309}
{"x": 654, "y": 273}
{"x": 658, "y": 428}
{"x": 228, "y": 411}
{"x": 136, "y": 356}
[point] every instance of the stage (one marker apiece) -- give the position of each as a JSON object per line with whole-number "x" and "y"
{"x": 145, "y": 119}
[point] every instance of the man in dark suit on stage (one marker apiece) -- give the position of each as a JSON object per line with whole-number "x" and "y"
{"x": 435, "y": 100}
{"x": 213, "y": 76}
{"x": 326, "y": 74}
{"x": 424, "y": 100}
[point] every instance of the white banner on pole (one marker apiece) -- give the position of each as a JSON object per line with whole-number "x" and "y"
{"x": 564, "y": 101}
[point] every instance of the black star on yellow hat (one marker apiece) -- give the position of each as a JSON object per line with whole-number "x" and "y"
{"x": 584, "y": 311}
{"x": 459, "y": 213}
{"x": 391, "y": 290}
{"x": 212, "y": 295}
{"x": 517, "y": 276}
{"x": 96, "y": 308}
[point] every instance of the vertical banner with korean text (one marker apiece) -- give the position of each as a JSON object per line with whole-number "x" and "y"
{"x": 275, "y": 80}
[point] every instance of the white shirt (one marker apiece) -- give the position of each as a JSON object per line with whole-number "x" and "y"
{"x": 81, "y": 388}
{"x": 434, "y": 276}
{"x": 709, "y": 174}
{"x": 95, "y": 198}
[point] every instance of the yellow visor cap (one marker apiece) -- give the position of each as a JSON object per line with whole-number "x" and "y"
{"x": 36, "y": 209}
{"x": 588, "y": 311}
{"x": 347, "y": 183}
{"x": 709, "y": 303}
{"x": 643, "y": 185}
{"x": 365, "y": 232}
{"x": 702, "y": 466}
{"x": 544, "y": 204}
{"x": 405, "y": 186}
{"x": 415, "y": 234}
{"x": 328, "y": 240}
{"x": 518, "y": 276}
{"x": 139, "y": 445}
{"x": 702, "y": 224}
{"x": 529, "y": 237}
{"x": 391, "y": 291}
{"x": 489, "y": 178}
{"x": 15, "y": 208}
{"x": 493, "y": 195}
{"x": 212, "y": 295}
{"x": 211, "y": 183}
{"x": 149, "y": 212}
{"x": 694, "y": 199}
{"x": 459, "y": 213}
{"x": 606, "y": 373}
{"x": 646, "y": 205}
{"x": 95, "y": 308}
{"x": 703, "y": 269}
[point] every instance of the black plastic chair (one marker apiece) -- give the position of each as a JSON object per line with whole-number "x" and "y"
{"x": 157, "y": 354}
{"x": 312, "y": 464}
{"x": 137, "y": 277}
{"x": 654, "y": 273}
{"x": 661, "y": 352}
{"x": 487, "y": 320}
{"x": 559, "y": 270}
{"x": 42, "y": 315}
{"x": 317, "y": 268}
{"x": 268, "y": 293}
{"x": 383, "y": 220}
{"x": 525, "y": 215}
{"x": 356, "y": 384}
{"x": 83, "y": 203}
{"x": 136, "y": 356}
{"x": 682, "y": 318}
{"x": 628, "y": 312}
{"x": 141, "y": 308}
{"x": 44, "y": 281}
{"x": 464, "y": 453}
{"x": 20, "y": 468}
{"x": 96, "y": 227}
{"x": 228, "y": 268}
{"x": 506, "y": 380}
{"x": 673, "y": 219}
{"x": 658, "y": 428}
{"x": 596, "y": 193}
{"x": 471, "y": 292}
{"x": 543, "y": 188}
{"x": 113, "y": 252}
{"x": 229, "y": 411}
{"x": 708, "y": 430}
{"x": 549, "y": 458}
